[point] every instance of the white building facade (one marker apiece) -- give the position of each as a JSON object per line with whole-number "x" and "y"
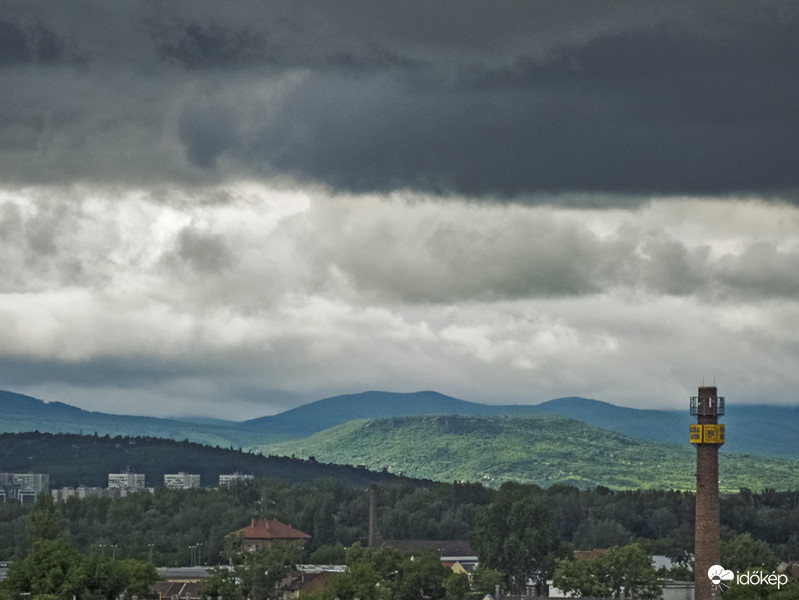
{"x": 181, "y": 481}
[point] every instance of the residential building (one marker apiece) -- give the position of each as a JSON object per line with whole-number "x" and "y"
{"x": 261, "y": 534}
{"x": 33, "y": 482}
{"x": 127, "y": 480}
{"x": 181, "y": 481}
{"x": 229, "y": 478}
{"x": 23, "y": 487}
{"x": 8, "y": 489}
{"x": 125, "y": 491}
{"x": 62, "y": 494}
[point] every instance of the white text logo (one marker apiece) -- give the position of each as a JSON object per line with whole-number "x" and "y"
{"x": 719, "y": 576}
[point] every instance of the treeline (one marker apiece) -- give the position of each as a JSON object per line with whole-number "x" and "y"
{"x": 167, "y": 524}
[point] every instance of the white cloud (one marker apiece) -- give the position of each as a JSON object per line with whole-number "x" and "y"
{"x": 220, "y": 292}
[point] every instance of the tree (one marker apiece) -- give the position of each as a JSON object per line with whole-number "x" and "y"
{"x": 387, "y": 574}
{"x": 104, "y": 576}
{"x": 254, "y": 575}
{"x": 457, "y": 586}
{"x": 44, "y": 524}
{"x": 422, "y": 577}
{"x": 139, "y": 576}
{"x": 52, "y": 568}
{"x": 743, "y": 552}
{"x": 222, "y": 582}
{"x": 516, "y": 536}
{"x": 600, "y": 534}
{"x": 485, "y": 580}
{"x": 628, "y": 566}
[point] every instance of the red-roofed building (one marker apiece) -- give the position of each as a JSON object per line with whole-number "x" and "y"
{"x": 261, "y": 534}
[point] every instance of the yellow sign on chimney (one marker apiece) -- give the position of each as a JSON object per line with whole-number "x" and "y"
{"x": 713, "y": 434}
{"x": 707, "y": 434}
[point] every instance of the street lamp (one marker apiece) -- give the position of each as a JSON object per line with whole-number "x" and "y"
{"x": 150, "y": 546}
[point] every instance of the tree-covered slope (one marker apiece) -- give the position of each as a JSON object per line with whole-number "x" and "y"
{"x": 73, "y": 460}
{"x": 545, "y": 450}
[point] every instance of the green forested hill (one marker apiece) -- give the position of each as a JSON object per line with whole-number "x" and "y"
{"x": 544, "y": 450}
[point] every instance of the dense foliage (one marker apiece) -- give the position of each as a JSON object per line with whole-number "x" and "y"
{"x": 167, "y": 523}
{"x": 390, "y": 575}
{"x": 54, "y": 569}
{"x": 254, "y": 575}
{"x": 516, "y": 536}
{"x": 627, "y": 568}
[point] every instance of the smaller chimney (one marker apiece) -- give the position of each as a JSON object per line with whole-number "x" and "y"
{"x": 374, "y": 535}
{"x": 252, "y": 523}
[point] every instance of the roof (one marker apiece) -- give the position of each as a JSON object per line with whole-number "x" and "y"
{"x": 299, "y": 581}
{"x": 590, "y": 554}
{"x": 449, "y": 548}
{"x": 186, "y": 573}
{"x": 268, "y": 529}
{"x": 169, "y": 589}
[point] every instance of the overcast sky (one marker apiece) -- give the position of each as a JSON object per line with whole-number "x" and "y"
{"x": 231, "y": 208}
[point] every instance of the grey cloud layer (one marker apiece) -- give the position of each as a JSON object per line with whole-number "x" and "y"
{"x": 366, "y": 250}
{"x": 111, "y": 293}
{"x": 468, "y": 98}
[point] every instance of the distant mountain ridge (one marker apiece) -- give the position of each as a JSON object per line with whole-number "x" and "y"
{"x": 329, "y": 412}
{"x": 20, "y": 413}
{"x": 760, "y": 430}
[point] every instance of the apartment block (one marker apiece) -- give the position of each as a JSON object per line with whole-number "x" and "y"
{"x": 181, "y": 481}
{"x": 133, "y": 481}
{"x": 228, "y": 478}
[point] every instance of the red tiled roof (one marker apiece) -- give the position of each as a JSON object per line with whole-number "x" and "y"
{"x": 271, "y": 530}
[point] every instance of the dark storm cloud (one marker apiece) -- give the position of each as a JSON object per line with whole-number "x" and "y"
{"x": 661, "y": 111}
{"x": 33, "y": 44}
{"x": 124, "y": 371}
{"x": 477, "y": 99}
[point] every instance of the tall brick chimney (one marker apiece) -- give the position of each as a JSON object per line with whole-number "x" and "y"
{"x": 707, "y": 435}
